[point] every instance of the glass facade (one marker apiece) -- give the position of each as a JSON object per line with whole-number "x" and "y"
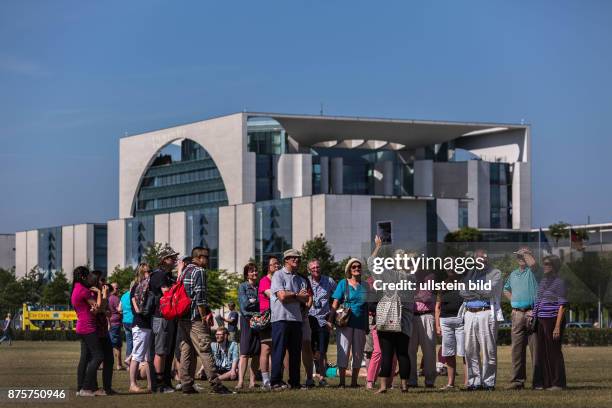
{"x": 266, "y": 136}
{"x": 183, "y": 176}
{"x": 49, "y": 251}
{"x": 463, "y": 214}
{"x": 362, "y": 169}
{"x": 202, "y": 229}
{"x": 501, "y": 195}
{"x": 100, "y": 248}
{"x": 272, "y": 228}
{"x": 139, "y": 234}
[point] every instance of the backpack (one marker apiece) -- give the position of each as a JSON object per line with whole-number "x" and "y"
{"x": 175, "y": 303}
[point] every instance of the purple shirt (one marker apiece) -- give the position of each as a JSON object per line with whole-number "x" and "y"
{"x": 113, "y": 305}
{"x": 552, "y": 293}
{"x": 86, "y": 320}
{"x": 424, "y": 300}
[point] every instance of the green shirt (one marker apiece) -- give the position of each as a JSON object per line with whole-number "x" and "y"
{"x": 524, "y": 288}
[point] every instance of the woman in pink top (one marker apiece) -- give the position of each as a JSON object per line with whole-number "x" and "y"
{"x": 86, "y": 304}
{"x": 265, "y": 336}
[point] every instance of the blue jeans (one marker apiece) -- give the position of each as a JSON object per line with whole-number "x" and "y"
{"x": 286, "y": 335}
{"x": 128, "y": 339}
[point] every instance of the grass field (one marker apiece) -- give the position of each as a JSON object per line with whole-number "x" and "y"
{"x": 51, "y": 365}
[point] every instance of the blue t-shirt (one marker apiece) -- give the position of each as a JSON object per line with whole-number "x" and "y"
{"x": 524, "y": 288}
{"x": 356, "y": 301}
{"x": 126, "y": 308}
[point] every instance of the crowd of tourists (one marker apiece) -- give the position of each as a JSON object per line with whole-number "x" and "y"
{"x": 285, "y": 319}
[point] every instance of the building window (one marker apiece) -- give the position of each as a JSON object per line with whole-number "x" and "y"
{"x": 272, "y": 228}
{"x": 139, "y": 234}
{"x": 500, "y": 195}
{"x": 182, "y": 176}
{"x": 202, "y": 229}
{"x": 100, "y": 249}
{"x": 49, "y": 251}
{"x": 463, "y": 214}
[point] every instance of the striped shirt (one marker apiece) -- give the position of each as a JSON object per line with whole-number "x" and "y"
{"x": 195, "y": 287}
{"x": 552, "y": 293}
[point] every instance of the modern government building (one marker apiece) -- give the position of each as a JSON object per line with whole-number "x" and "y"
{"x": 248, "y": 185}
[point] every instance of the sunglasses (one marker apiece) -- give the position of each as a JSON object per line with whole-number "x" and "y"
{"x": 355, "y": 266}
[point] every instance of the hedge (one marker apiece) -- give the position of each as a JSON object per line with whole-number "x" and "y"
{"x": 574, "y": 337}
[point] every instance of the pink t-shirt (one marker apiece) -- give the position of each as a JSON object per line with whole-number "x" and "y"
{"x": 86, "y": 320}
{"x": 264, "y": 302}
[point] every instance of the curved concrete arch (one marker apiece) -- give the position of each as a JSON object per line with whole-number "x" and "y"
{"x": 223, "y": 138}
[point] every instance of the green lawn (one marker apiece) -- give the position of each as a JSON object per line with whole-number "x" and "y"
{"x": 49, "y": 365}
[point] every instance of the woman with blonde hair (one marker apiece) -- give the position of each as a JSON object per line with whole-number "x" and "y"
{"x": 142, "y": 308}
{"x": 351, "y": 293}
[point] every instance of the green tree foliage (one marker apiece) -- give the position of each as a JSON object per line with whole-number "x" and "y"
{"x": 123, "y": 277}
{"x": 56, "y": 292}
{"x": 558, "y": 231}
{"x": 465, "y": 234}
{"x": 317, "y": 248}
{"x": 222, "y": 287}
{"x": 32, "y": 285}
{"x": 11, "y": 292}
{"x": 151, "y": 255}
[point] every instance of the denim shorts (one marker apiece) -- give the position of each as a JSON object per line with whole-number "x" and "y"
{"x": 115, "y": 336}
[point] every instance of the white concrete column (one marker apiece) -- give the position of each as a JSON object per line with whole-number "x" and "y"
{"x": 32, "y": 250}
{"x": 294, "y": 175}
{"x": 68, "y": 249}
{"x": 162, "y": 228}
{"x": 245, "y": 235}
{"x": 448, "y": 216}
{"x": 116, "y": 244}
{"x": 227, "y": 238}
{"x": 301, "y": 221}
{"x": 21, "y": 251}
{"x": 521, "y": 195}
{"x": 84, "y": 245}
{"x": 177, "y": 234}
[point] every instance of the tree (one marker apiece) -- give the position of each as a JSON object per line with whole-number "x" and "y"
{"x": 559, "y": 230}
{"x": 32, "y": 285}
{"x": 56, "y": 292}
{"x": 317, "y": 248}
{"x": 123, "y": 277}
{"x": 465, "y": 234}
{"x": 11, "y": 292}
{"x": 222, "y": 287}
{"x": 151, "y": 254}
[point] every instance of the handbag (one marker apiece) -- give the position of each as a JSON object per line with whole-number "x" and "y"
{"x": 389, "y": 314}
{"x": 260, "y": 321}
{"x": 343, "y": 314}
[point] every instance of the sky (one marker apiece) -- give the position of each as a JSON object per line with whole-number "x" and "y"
{"x": 77, "y": 76}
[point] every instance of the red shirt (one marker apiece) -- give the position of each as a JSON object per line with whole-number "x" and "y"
{"x": 86, "y": 320}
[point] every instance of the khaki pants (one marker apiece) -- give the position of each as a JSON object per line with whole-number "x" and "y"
{"x": 424, "y": 335}
{"x": 520, "y": 340}
{"x": 195, "y": 342}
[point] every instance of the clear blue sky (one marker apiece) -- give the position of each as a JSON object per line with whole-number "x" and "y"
{"x": 76, "y": 76}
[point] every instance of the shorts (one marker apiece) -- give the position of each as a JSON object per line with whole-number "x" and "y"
{"x": 265, "y": 335}
{"x": 141, "y": 344}
{"x": 163, "y": 331}
{"x": 306, "y": 331}
{"x": 453, "y": 337}
{"x": 115, "y": 336}
{"x": 320, "y": 336}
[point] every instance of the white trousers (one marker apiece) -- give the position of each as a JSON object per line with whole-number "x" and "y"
{"x": 424, "y": 335}
{"x": 481, "y": 337}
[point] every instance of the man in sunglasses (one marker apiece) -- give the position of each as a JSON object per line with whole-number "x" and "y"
{"x": 521, "y": 289}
